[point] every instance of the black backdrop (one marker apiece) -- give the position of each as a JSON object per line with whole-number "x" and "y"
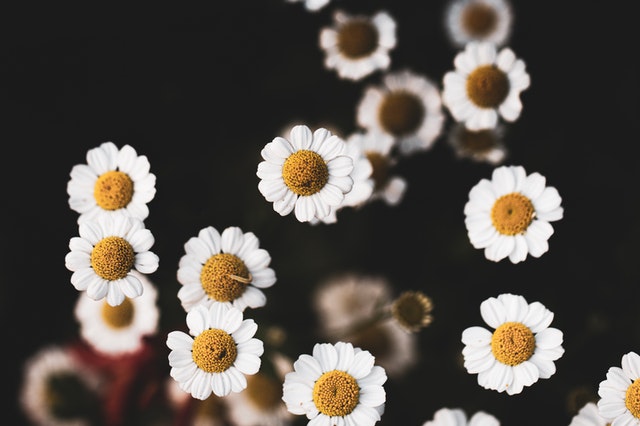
{"x": 200, "y": 89}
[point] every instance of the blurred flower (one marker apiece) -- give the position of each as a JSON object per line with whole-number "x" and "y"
{"x": 510, "y": 214}
{"x": 357, "y": 45}
{"x": 484, "y": 145}
{"x": 115, "y": 330}
{"x": 112, "y": 182}
{"x": 58, "y": 390}
{"x": 412, "y": 310}
{"x": 520, "y": 350}
{"x": 309, "y": 172}
{"x": 311, "y": 5}
{"x": 457, "y": 417}
{"x": 220, "y": 353}
{"x": 478, "y": 20}
{"x": 406, "y": 106}
{"x": 589, "y": 416}
{"x": 105, "y": 255}
{"x": 338, "y": 383}
{"x": 619, "y": 393}
{"x": 485, "y": 84}
{"x": 228, "y": 268}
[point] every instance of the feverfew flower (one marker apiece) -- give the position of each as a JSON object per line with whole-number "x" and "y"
{"x": 521, "y": 349}
{"x": 338, "y": 384}
{"x": 478, "y": 20}
{"x": 589, "y": 416}
{"x": 484, "y": 145}
{"x": 308, "y": 172}
{"x": 457, "y": 417}
{"x": 356, "y": 46}
{"x": 485, "y": 85}
{"x": 510, "y": 214}
{"x": 229, "y": 268}
{"x": 220, "y": 353}
{"x": 116, "y": 330}
{"x": 105, "y": 255}
{"x": 114, "y": 181}
{"x": 311, "y": 5}
{"x": 619, "y": 401}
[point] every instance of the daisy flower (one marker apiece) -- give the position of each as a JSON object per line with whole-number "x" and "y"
{"x": 457, "y": 417}
{"x": 484, "y": 145}
{"x": 589, "y": 416}
{"x": 114, "y": 181}
{"x": 105, "y": 255}
{"x": 510, "y": 214}
{"x": 229, "y": 268}
{"x": 337, "y": 384}
{"x": 484, "y": 86}
{"x": 521, "y": 349}
{"x": 478, "y": 20}
{"x": 357, "y": 45}
{"x": 311, "y": 5}
{"x": 220, "y": 353}
{"x": 412, "y": 310}
{"x": 309, "y": 172}
{"x": 619, "y": 393}
{"x": 115, "y": 330}
{"x": 57, "y": 390}
{"x": 407, "y": 106}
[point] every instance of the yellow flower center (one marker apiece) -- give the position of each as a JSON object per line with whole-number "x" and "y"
{"x": 380, "y": 165}
{"x": 224, "y": 277}
{"x": 214, "y": 350}
{"x": 118, "y": 316}
{"x": 512, "y": 214}
{"x": 336, "y": 393}
{"x": 632, "y": 399}
{"x": 112, "y": 258}
{"x": 479, "y": 19}
{"x": 477, "y": 142}
{"x": 357, "y": 39}
{"x": 305, "y": 172}
{"x": 412, "y": 310}
{"x": 264, "y": 391}
{"x": 401, "y": 113}
{"x": 487, "y": 86}
{"x": 113, "y": 190}
{"x": 513, "y": 343}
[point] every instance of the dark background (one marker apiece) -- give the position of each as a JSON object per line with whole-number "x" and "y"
{"x": 200, "y": 89}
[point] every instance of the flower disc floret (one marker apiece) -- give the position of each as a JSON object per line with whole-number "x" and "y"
{"x": 112, "y": 258}
{"x": 113, "y": 190}
{"x": 336, "y": 393}
{"x": 305, "y": 172}
{"x": 214, "y": 351}
{"x": 513, "y": 343}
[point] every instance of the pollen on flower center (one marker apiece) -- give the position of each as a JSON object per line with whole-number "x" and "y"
{"x": 513, "y": 343}
{"x": 401, "y": 113}
{"x": 380, "y": 165}
{"x": 632, "y": 399}
{"x": 113, "y": 190}
{"x": 214, "y": 350}
{"x": 487, "y": 86}
{"x": 336, "y": 393}
{"x": 512, "y": 214}
{"x": 118, "y": 316}
{"x": 263, "y": 391}
{"x": 412, "y": 310}
{"x": 357, "y": 38}
{"x": 224, "y": 277}
{"x": 479, "y": 20}
{"x": 112, "y": 258}
{"x": 305, "y": 172}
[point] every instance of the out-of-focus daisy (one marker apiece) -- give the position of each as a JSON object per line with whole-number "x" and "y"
{"x": 58, "y": 390}
{"x": 478, "y": 20}
{"x": 311, "y": 5}
{"x": 407, "y": 106}
{"x": 220, "y": 353}
{"x": 484, "y": 145}
{"x": 457, "y": 417}
{"x": 229, "y": 268}
{"x": 114, "y": 181}
{"x": 485, "y": 85}
{"x": 115, "y": 330}
{"x": 412, "y": 310}
{"x": 357, "y": 45}
{"x": 105, "y": 255}
{"x": 589, "y": 416}
{"x": 510, "y": 214}
{"x": 619, "y": 393}
{"x": 378, "y": 148}
{"x": 309, "y": 172}
{"x": 521, "y": 349}
{"x": 337, "y": 384}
